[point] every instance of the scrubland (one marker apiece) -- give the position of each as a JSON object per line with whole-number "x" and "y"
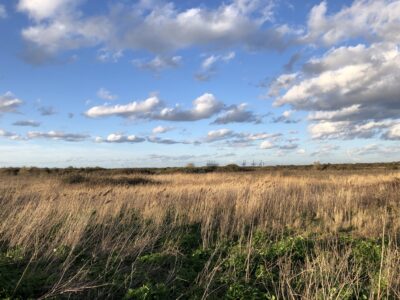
{"x": 291, "y": 234}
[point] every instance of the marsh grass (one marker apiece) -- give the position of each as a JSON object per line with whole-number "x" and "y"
{"x": 290, "y": 234}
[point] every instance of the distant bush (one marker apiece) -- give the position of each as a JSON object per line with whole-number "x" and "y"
{"x": 100, "y": 180}
{"x": 73, "y": 179}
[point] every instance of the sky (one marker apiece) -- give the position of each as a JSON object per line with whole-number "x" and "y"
{"x": 152, "y": 83}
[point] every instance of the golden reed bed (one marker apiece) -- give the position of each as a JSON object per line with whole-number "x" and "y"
{"x": 110, "y": 215}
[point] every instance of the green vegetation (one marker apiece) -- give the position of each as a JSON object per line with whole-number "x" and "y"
{"x": 239, "y": 270}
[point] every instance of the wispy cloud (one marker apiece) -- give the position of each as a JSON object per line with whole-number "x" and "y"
{"x": 9, "y": 103}
{"x": 28, "y": 123}
{"x": 58, "y": 135}
{"x": 105, "y": 94}
{"x": 209, "y": 65}
{"x": 3, "y": 12}
{"x": 47, "y": 110}
{"x": 159, "y": 63}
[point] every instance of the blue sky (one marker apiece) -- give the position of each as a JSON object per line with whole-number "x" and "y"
{"x": 159, "y": 83}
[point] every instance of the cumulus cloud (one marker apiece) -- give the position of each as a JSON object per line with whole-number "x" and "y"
{"x": 58, "y": 135}
{"x": 266, "y": 145}
{"x": 9, "y": 103}
{"x": 282, "y": 82}
{"x": 159, "y": 63}
{"x": 28, "y": 123}
{"x": 105, "y": 94}
{"x": 219, "y": 134}
{"x": 286, "y": 117}
{"x": 282, "y": 148}
{"x": 10, "y": 135}
{"x": 393, "y": 133}
{"x": 120, "y": 138}
{"x": 59, "y": 26}
{"x": 368, "y": 19}
{"x": 161, "y": 129}
{"x": 204, "y": 107}
{"x": 133, "y": 109}
{"x": 238, "y": 139}
{"x": 45, "y": 9}
{"x": 238, "y": 114}
{"x": 351, "y": 91}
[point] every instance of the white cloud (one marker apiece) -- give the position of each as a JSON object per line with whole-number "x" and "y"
{"x": 237, "y": 114}
{"x": 120, "y": 138}
{"x": 325, "y": 150}
{"x": 105, "y": 94}
{"x": 3, "y": 12}
{"x": 374, "y": 149}
{"x": 209, "y": 65}
{"x": 259, "y": 136}
{"x": 286, "y": 117}
{"x": 282, "y": 82}
{"x": 369, "y": 19}
{"x": 133, "y": 109}
{"x": 219, "y": 134}
{"x": 104, "y": 55}
{"x": 10, "y": 135}
{"x": 348, "y": 129}
{"x": 159, "y": 28}
{"x": 58, "y": 135}
{"x": 161, "y": 129}
{"x": 238, "y": 139}
{"x": 9, "y": 103}
{"x": 229, "y": 56}
{"x": 348, "y": 88}
{"x": 45, "y": 9}
{"x": 393, "y": 132}
{"x": 159, "y": 63}
{"x": 204, "y": 107}
{"x": 342, "y": 113}
{"x": 301, "y": 151}
{"x": 209, "y": 62}
{"x": 266, "y": 145}
{"x": 349, "y": 76}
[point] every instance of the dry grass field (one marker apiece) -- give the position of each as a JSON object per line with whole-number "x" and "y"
{"x": 294, "y": 234}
